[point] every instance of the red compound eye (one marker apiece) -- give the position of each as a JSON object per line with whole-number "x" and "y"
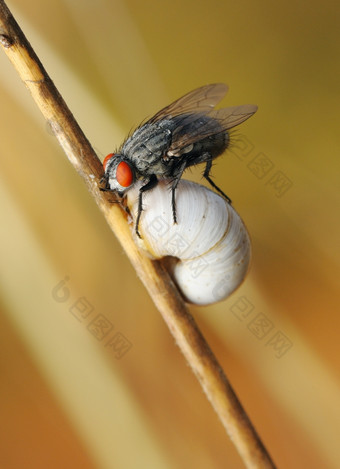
{"x": 107, "y": 158}
{"x": 124, "y": 174}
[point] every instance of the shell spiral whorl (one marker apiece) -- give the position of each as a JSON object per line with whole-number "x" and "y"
{"x": 210, "y": 240}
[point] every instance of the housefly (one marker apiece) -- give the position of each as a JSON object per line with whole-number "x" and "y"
{"x": 187, "y": 132}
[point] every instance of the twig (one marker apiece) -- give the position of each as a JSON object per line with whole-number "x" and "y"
{"x": 153, "y": 274}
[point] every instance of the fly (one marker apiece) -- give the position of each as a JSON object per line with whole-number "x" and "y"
{"x": 187, "y": 132}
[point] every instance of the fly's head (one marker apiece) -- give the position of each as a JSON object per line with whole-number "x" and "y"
{"x": 119, "y": 174}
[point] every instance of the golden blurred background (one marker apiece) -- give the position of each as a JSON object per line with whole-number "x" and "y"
{"x": 74, "y": 399}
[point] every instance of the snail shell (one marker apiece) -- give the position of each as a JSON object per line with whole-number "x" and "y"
{"x": 209, "y": 240}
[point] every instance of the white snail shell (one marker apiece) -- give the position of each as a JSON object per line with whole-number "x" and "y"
{"x": 209, "y": 239}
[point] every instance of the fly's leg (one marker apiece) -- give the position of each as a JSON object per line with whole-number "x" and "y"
{"x": 153, "y": 181}
{"x": 173, "y": 189}
{"x": 211, "y": 182}
{"x": 106, "y": 188}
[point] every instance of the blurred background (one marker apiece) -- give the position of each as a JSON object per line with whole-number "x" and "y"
{"x": 74, "y": 394}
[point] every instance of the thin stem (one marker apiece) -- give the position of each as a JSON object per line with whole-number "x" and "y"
{"x": 153, "y": 275}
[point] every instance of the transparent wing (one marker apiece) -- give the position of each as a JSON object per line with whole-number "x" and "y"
{"x": 195, "y": 127}
{"x": 202, "y": 100}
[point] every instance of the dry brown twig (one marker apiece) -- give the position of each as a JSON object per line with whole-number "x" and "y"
{"x": 154, "y": 276}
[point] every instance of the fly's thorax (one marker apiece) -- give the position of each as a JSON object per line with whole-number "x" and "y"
{"x": 146, "y": 146}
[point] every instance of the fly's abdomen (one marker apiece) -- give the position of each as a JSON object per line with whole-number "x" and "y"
{"x": 207, "y": 148}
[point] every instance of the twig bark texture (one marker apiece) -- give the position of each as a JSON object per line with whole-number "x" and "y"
{"x": 153, "y": 275}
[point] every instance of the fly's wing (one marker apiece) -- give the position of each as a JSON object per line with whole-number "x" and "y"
{"x": 202, "y": 100}
{"x": 192, "y": 128}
